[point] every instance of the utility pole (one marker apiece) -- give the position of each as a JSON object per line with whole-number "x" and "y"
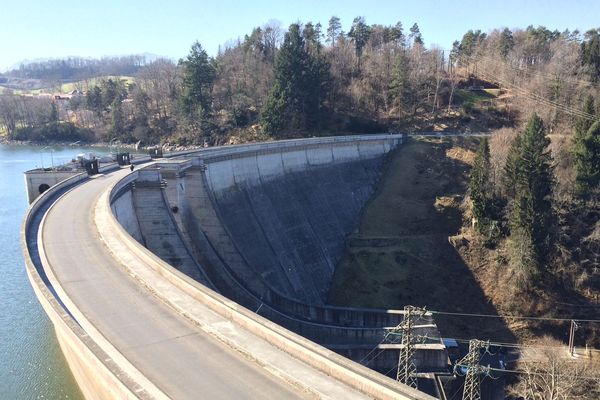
{"x": 572, "y": 330}
{"x": 407, "y": 369}
{"x": 472, "y": 389}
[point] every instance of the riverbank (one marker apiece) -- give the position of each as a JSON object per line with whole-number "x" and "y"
{"x": 116, "y": 145}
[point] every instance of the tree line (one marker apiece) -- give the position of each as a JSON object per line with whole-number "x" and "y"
{"x": 78, "y": 68}
{"x": 313, "y": 80}
{"x": 521, "y": 208}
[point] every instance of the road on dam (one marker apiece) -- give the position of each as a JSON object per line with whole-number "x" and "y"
{"x": 179, "y": 358}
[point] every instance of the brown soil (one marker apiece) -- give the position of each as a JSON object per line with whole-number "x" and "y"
{"x": 405, "y": 251}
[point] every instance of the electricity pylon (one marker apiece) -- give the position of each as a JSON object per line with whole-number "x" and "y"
{"x": 407, "y": 370}
{"x": 472, "y": 389}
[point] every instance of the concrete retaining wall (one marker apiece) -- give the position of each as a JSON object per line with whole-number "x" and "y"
{"x": 124, "y": 210}
{"x": 99, "y": 374}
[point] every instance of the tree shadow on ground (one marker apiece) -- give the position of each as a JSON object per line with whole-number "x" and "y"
{"x": 402, "y": 253}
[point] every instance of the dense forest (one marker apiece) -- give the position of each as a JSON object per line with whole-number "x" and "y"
{"x": 316, "y": 80}
{"x": 77, "y": 68}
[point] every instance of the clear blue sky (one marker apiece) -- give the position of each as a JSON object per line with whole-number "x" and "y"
{"x": 32, "y": 29}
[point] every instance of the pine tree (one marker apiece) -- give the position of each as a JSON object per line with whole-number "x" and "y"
{"x": 94, "y": 100}
{"x": 583, "y": 123}
{"x": 587, "y": 162}
{"x": 284, "y": 108}
{"x": 110, "y": 92}
{"x": 199, "y": 75}
{"x": 590, "y": 52}
{"x": 117, "y": 119}
{"x": 532, "y": 218}
{"x": 479, "y": 187}
{"x": 509, "y": 178}
{"x": 334, "y": 30}
{"x": 506, "y": 42}
{"x": 400, "y": 91}
{"x": 53, "y": 117}
{"x": 301, "y": 82}
{"x": 359, "y": 32}
{"x": 415, "y": 35}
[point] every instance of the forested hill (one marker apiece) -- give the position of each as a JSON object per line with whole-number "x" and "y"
{"x": 313, "y": 80}
{"x": 78, "y": 68}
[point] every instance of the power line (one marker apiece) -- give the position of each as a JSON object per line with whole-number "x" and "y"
{"x": 491, "y": 342}
{"x": 518, "y": 371}
{"x": 539, "y": 97}
{"x": 515, "y": 317}
{"x": 547, "y": 75}
{"x": 373, "y": 349}
{"x": 536, "y": 96}
{"x": 531, "y": 95}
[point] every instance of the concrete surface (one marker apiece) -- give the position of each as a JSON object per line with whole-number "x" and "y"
{"x": 167, "y": 337}
{"x": 170, "y": 351}
{"x": 192, "y": 299}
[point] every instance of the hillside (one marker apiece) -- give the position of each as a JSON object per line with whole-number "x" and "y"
{"x": 415, "y": 246}
{"x": 403, "y": 254}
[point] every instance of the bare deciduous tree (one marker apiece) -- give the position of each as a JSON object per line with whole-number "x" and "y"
{"x": 553, "y": 375}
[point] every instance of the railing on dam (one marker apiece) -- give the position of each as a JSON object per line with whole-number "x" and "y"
{"x": 289, "y": 144}
{"x": 78, "y": 345}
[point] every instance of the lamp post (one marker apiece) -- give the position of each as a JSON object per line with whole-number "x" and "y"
{"x": 51, "y": 156}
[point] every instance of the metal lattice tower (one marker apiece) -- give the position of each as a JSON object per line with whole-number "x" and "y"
{"x": 472, "y": 389}
{"x": 406, "y": 367}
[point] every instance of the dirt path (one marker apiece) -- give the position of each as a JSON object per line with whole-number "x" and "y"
{"x": 402, "y": 254}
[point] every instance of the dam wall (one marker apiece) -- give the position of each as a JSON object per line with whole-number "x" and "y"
{"x": 203, "y": 222}
{"x": 296, "y": 346}
{"x": 288, "y": 212}
{"x": 100, "y": 372}
{"x": 267, "y": 226}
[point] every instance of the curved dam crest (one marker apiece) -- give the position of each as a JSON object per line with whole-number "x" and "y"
{"x": 261, "y": 226}
{"x": 266, "y": 228}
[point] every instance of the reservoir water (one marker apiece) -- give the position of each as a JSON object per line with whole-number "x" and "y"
{"x": 31, "y": 363}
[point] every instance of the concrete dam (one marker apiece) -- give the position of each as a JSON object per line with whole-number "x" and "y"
{"x": 266, "y": 228}
{"x": 236, "y": 246}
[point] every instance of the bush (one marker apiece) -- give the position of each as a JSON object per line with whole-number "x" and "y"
{"x": 467, "y": 107}
{"x": 55, "y": 131}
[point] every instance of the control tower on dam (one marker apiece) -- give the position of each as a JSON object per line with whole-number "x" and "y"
{"x": 265, "y": 225}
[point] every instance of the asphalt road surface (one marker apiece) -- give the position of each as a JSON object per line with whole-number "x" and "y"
{"x": 179, "y": 358}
